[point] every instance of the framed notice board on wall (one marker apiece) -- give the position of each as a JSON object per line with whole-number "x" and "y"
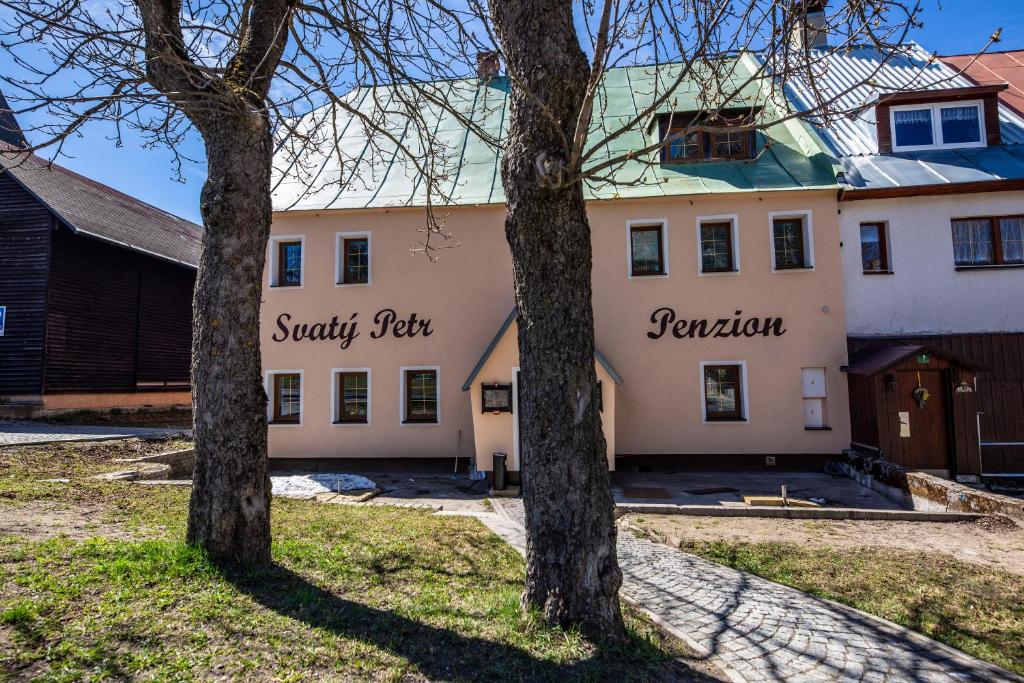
{"x": 496, "y": 398}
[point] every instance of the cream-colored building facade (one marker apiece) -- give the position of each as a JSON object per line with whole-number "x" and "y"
{"x": 652, "y": 381}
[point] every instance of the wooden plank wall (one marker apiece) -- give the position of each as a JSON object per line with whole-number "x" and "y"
{"x": 165, "y": 323}
{"x": 117, "y": 317}
{"x": 24, "y": 255}
{"x": 1000, "y": 395}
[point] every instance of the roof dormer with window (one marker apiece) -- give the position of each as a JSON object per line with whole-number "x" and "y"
{"x": 689, "y": 137}
{"x": 953, "y": 118}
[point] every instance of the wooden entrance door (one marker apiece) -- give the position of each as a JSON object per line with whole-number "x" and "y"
{"x": 927, "y": 444}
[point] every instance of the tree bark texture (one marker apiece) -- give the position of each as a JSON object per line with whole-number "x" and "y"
{"x": 229, "y": 512}
{"x": 572, "y": 570}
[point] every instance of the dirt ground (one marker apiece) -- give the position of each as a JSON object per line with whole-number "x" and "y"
{"x": 992, "y": 542}
{"x": 39, "y": 521}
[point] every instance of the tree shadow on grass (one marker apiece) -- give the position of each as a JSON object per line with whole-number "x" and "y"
{"x": 441, "y": 654}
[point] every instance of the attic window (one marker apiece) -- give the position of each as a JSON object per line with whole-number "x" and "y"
{"x": 938, "y": 126}
{"x": 685, "y": 137}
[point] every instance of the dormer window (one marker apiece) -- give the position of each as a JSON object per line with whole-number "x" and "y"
{"x": 944, "y": 118}
{"x": 686, "y": 137}
{"x": 937, "y": 126}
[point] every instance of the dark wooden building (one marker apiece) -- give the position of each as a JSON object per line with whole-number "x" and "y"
{"x": 917, "y": 406}
{"x": 96, "y": 292}
{"x": 997, "y": 425}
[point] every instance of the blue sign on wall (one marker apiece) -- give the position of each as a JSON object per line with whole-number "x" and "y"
{"x": 3, "y": 319}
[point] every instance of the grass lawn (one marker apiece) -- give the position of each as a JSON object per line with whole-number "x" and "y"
{"x": 354, "y": 593}
{"x": 975, "y": 609}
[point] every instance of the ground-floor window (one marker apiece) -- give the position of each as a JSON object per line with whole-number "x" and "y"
{"x": 352, "y": 396}
{"x": 723, "y": 391}
{"x": 286, "y": 397}
{"x": 420, "y": 389}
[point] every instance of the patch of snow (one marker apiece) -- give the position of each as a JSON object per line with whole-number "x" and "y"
{"x": 308, "y": 485}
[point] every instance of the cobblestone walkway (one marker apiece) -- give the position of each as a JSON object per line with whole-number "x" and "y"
{"x": 25, "y": 433}
{"x": 757, "y": 630}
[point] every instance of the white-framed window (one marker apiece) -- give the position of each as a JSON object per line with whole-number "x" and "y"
{"x": 353, "y": 259}
{"x": 718, "y": 244}
{"x": 420, "y": 390}
{"x": 284, "y": 393}
{"x": 723, "y": 392}
{"x": 937, "y": 126}
{"x": 815, "y": 395}
{"x": 287, "y": 260}
{"x": 791, "y": 240}
{"x": 647, "y": 248}
{"x": 351, "y": 397}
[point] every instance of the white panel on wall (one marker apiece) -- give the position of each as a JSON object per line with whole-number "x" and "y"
{"x": 814, "y": 412}
{"x": 813, "y": 381}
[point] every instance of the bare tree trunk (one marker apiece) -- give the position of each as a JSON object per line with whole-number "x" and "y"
{"x": 572, "y": 569}
{"x": 229, "y": 512}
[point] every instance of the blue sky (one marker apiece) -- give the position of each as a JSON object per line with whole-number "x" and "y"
{"x": 950, "y": 27}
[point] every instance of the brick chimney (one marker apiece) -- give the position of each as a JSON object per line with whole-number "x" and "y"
{"x": 809, "y": 28}
{"x": 487, "y": 65}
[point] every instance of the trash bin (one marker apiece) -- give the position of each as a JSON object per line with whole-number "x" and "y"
{"x": 499, "y": 471}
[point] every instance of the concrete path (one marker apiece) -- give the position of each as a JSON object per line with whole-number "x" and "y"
{"x": 27, "y": 433}
{"x": 756, "y": 630}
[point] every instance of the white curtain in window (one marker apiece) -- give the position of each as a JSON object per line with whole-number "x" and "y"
{"x": 960, "y": 113}
{"x": 972, "y": 242}
{"x": 905, "y": 116}
{"x": 1011, "y": 233}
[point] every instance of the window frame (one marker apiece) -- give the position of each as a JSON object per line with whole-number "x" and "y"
{"x": 657, "y": 223}
{"x": 274, "y": 261}
{"x": 745, "y": 152}
{"x": 883, "y": 241}
{"x": 706, "y": 141}
{"x": 744, "y": 394}
{"x": 403, "y": 405}
{"x": 734, "y": 243}
{"x": 936, "y": 113}
{"x": 337, "y": 397}
{"x": 340, "y": 243}
{"x": 270, "y": 386}
{"x": 997, "y": 242}
{"x": 807, "y": 240}
{"x": 683, "y": 131}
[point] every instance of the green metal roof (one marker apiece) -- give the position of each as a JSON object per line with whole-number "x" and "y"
{"x": 356, "y": 174}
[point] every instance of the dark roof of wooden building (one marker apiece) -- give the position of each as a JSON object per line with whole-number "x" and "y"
{"x": 10, "y": 131}
{"x": 100, "y": 211}
{"x": 873, "y": 359}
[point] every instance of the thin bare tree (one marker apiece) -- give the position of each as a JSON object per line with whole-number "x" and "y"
{"x": 245, "y": 74}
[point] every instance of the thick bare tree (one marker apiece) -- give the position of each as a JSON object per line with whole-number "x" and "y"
{"x": 240, "y": 73}
{"x": 556, "y": 145}
{"x": 250, "y": 73}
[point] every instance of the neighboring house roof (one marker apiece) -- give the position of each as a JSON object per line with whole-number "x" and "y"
{"x": 853, "y": 139}
{"x": 991, "y": 68}
{"x": 94, "y": 209}
{"x": 10, "y": 131}
{"x": 468, "y": 384}
{"x": 375, "y": 176}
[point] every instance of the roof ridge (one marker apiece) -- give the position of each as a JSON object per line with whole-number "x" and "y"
{"x": 49, "y": 163}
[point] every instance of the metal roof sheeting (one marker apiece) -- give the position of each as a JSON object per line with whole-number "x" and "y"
{"x": 344, "y": 168}
{"x": 857, "y": 78}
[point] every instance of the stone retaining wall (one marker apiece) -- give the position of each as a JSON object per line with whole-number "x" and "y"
{"x": 932, "y": 493}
